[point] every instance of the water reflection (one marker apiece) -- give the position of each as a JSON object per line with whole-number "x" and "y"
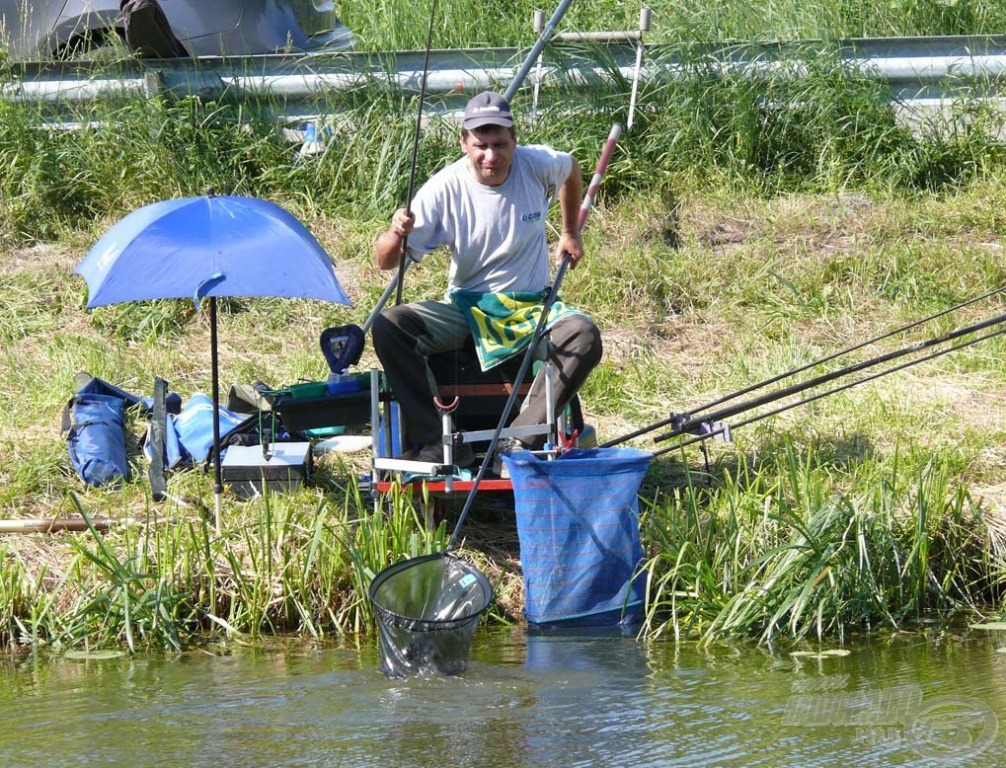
{"x": 593, "y": 701}
{"x": 526, "y": 700}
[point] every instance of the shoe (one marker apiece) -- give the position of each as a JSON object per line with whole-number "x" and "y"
{"x": 464, "y": 455}
{"x": 433, "y": 453}
{"x": 505, "y": 447}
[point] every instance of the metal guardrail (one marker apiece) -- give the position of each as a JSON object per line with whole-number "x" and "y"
{"x": 917, "y": 70}
{"x": 913, "y": 67}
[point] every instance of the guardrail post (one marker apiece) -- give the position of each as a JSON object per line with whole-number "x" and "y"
{"x": 644, "y": 26}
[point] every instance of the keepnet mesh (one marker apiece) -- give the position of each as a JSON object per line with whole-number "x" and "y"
{"x": 578, "y": 527}
{"x": 427, "y": 611}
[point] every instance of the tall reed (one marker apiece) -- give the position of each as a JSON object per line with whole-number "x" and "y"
{"x": 393, "y": 530}
{"x": 169, "y": 584}
{"x": 509, "y": 23}
{"x": 788, "y": 554}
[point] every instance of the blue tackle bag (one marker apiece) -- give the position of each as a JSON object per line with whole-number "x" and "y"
{"x": 194, "y": 426}
{"x": 94, "y": 426}
{"x": 578, "y": 526}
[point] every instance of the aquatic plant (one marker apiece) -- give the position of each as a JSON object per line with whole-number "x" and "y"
{"x": 123, "y": 597}
{"x": 788, "y": 554}
{"x": 392, "y": 530}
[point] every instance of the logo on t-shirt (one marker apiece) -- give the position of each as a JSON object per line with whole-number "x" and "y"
{"x": 534, "y": 216}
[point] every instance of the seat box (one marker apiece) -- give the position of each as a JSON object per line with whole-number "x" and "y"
{"x": 481, "y": 394}
{"x": 247, "y": 470}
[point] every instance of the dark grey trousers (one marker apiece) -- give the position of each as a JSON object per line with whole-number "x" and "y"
{"x": 404, "y": 336}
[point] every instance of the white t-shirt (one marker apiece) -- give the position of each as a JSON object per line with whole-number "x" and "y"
{"x": 496, "y": 235}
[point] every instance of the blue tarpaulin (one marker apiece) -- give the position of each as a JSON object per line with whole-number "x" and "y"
{"x": 578, "y": 525}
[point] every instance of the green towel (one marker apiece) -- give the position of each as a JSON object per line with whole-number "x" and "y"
{"x": 503, "y": 324}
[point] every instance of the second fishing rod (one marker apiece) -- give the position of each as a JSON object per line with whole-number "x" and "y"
{"x": 691, "y": 420}
{"x": 684, "y": 423}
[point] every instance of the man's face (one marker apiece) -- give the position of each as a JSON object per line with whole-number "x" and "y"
{"x": 490, "y": 150}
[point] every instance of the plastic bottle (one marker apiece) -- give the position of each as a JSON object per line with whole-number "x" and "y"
{"x": 587, "y": 437}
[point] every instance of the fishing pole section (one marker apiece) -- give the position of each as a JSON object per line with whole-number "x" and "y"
{"x": 404, "y": 256}
{"x": 710, "y": 420}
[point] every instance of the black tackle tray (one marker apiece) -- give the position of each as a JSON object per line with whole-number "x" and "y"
{"x": 342, "y": 409}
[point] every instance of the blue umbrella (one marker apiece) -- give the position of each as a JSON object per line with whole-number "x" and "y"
{"x": 208, "y": 247}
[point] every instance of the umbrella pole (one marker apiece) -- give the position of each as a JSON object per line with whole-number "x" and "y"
{"x": 218, "y": 480}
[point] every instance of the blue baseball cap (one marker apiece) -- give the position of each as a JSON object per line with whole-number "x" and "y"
{"x": 488, "y": 108}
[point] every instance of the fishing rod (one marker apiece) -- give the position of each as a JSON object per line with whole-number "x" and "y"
{"x": 807, "y": 366}
{"x": 415, "y": 152}
{"x": 780, "y": 377}
{"x": 539, "y": 331}
{"x": 846, "y": 351}
{"x": 684, "y": 423}
{"x": 717, "y": 429}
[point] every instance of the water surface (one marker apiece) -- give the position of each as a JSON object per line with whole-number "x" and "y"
{"x": 526, "y": 700}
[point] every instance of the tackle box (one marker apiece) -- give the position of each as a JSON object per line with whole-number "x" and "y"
{"x": 248, "y": 469}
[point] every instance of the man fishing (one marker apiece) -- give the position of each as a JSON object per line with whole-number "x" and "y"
{"x": 489, "y": 208}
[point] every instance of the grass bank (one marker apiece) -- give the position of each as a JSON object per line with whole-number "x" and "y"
{"x": 746, "y": 227}
{"x": 685, "y": 21}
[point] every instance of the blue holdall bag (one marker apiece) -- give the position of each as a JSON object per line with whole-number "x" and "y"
{"x": 94, "y": 426}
